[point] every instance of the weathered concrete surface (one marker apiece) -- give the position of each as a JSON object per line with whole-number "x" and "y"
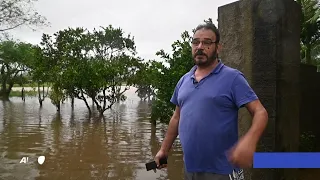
{"x": 310, "y": 98}
{"x": 262, "y": 39}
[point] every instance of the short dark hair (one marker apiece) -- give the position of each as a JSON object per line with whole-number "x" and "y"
{"x": 209, "y": 26}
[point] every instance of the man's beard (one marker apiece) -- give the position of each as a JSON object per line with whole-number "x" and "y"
{"x": 206, "y": 60}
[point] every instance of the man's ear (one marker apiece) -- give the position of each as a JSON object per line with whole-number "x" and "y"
{"x": 219, "y": 48}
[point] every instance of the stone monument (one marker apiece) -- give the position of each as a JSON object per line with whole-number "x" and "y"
{"x": 261, "y": 38}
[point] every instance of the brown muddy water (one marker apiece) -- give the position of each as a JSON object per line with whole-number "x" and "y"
{"x": 82, "y": 148}
{"x": 76, "y": 147}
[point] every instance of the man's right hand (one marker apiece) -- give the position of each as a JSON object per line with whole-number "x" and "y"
{"x": 171, "y": 135}
{"x": 161, "y": 154}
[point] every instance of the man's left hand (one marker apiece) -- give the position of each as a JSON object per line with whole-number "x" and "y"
{"x": 242, "y": 153}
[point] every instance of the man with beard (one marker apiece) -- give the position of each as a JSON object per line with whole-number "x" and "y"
{"x": 207, "y": 100}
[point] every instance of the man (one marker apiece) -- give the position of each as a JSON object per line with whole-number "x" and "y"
{"x": 207, "y": 100}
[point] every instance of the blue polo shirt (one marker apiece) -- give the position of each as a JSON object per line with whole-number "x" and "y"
{"x": 208, "y": 125}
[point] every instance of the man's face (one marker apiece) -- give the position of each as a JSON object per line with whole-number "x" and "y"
{"x": 204, "y": 48}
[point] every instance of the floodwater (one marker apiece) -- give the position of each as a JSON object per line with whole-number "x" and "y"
{"x": 76, "y": 147}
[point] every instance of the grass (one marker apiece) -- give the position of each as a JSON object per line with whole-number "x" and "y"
{"x": 30, "y": 85}
{"x": 26, "y": 93}
{"x": 30, "y": 93}
{"x": 36, "y": 85}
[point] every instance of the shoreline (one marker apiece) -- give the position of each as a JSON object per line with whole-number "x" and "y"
{"x": 33, "y": 91}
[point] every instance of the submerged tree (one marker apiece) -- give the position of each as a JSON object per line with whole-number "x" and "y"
{"x": 180, "y": 62}
{"x": 147, "y": 77}
{"x": 15, "y": 59}
{"x": 91, "y": 65}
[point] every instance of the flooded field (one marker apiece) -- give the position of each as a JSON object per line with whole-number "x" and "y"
{"x": 76, "y": 147}
{"x": 82, "y": 148}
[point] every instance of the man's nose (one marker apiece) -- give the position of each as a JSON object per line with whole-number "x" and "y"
{"x": 200, "y": 45}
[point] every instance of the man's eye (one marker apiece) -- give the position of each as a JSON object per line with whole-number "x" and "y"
{"x": 195, "y": 42}
{"x": 207, "y": 42}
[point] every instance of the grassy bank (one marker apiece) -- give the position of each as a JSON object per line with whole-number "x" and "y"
{"x": 30, "y": 85}
{"x": 36, "y": 85}
{"x": 26, "y": 93}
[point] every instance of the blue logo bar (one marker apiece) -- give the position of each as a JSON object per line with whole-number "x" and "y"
{"x": 286, "y": 160}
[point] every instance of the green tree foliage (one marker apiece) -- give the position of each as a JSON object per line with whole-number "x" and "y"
{"x": 40, "y": 69}
{"x": 180, "y": 62}
{"x": 146, "y": 79}
{"x": 310, "y": 34}
{"x": 57, "y": 95}
{"x": 90, "y": 64}
{"x": 15, "y": 13}
{"x": 15, "y": 59}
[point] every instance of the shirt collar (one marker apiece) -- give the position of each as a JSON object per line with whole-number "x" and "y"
{"x": 216, "y": 70}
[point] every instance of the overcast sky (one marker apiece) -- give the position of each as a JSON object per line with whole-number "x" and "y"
{"x": 155, "y": 24}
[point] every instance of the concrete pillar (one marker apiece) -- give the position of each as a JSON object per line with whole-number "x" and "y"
{"x": 261, "y": 38}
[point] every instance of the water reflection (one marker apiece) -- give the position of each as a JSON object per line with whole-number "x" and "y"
{"x": 77, "y": 146}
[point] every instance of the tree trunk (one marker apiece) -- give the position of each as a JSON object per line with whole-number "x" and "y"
{"x": 86, "y": 102}
{"x": 58, "y": 107}
{"x": 39, "y": 95}
{"x": 101, "y": 113}
{"x": 6, "y": 92}
{"x": 23, "y": 95}
{"x": 43, "y": 94}
{"x": 72, "y": 102}
{"x": 4, "y": 95}
{"x": 3, "y": 86}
